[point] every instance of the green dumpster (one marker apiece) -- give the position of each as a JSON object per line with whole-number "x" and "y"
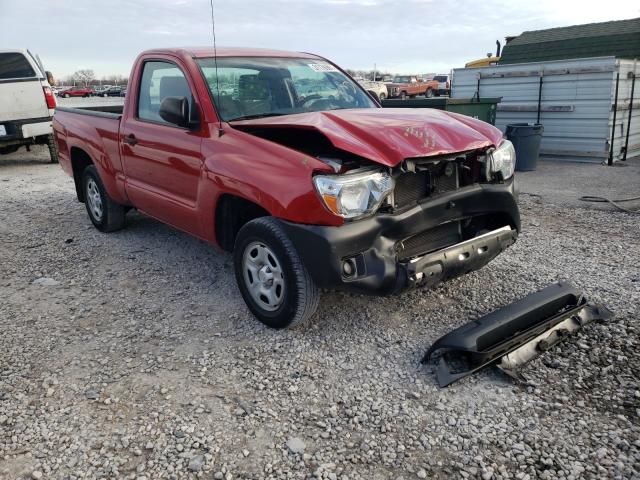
{"x": 483, "y": 109}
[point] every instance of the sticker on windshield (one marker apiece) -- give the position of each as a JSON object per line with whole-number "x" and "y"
{"x": 322, "y": 67}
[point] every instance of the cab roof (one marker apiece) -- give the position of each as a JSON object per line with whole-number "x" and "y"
{"x": 204, "y": 52}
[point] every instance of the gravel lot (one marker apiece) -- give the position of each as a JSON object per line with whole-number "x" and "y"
{"x": 132, "y": 355}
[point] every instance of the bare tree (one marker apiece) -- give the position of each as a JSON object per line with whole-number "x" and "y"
{"x": 84, "y": 76}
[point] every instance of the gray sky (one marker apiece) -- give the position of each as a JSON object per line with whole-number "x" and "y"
{"x": 404, "y": 36}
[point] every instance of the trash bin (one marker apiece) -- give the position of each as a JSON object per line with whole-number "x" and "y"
{"x": 484, "y": 109}
{"x": 526, "y": 139}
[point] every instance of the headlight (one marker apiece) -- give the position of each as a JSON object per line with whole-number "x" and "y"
{"x": 354, "y": 195}
{"x": 502, "y": 160}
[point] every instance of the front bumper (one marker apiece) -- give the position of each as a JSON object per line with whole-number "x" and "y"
{"x": 371, "y": 244}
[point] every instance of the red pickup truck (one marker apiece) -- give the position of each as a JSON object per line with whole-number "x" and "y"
{"x": 321, "y": 189}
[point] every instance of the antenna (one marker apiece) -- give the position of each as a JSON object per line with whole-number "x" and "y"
{"x": 215, "y": 62}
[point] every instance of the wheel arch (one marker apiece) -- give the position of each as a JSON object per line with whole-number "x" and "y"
{"x": 231, "y": 213}
{"x": 80, "y": 160}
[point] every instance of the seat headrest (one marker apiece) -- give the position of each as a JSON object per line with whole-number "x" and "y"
{"x": 252, "y": 87}
{"x": 174, "y": 87}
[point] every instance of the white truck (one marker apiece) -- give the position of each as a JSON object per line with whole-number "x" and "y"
{"x": 377, "y": 89}
{"x": 26, "y": 103}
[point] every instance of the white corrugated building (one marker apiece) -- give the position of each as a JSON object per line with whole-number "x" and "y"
{"x": 573, "y": 98}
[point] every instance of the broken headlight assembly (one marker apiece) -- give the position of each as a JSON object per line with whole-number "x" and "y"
{"x": 353, "y": 195}
{"x": 501, "y": 163}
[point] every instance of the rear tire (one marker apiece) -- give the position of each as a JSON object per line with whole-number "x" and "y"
{"x": 272, "y": 279}
{"x": 105, "y": 214}
{"x": 428, "y": 93}
{"x": 53, "y": 150}
{"x": 403, "y": 95}
{"x": 382, "y": 96}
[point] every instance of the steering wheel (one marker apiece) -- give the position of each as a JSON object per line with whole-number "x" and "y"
{"x": 348, "y": 88}
{"x": 305, "y": 100}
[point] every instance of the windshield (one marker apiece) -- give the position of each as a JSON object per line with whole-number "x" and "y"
{"x": 402, "y": 80}
{"x": 248, "y": 87}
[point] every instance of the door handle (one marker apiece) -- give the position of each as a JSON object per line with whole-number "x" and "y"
{"x": 130, "y": 140}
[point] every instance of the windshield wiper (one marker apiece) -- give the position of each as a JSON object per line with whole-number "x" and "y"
{"x": 259, "y": 115}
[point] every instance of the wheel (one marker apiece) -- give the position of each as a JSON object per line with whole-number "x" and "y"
{"x": 428, "y": 93}
{"x": 53, "y": 150}
{"x": 105, "y": 214}
{"x": 272, "y": 279}
{"x": 65, "y": 95}
{"x": 382, "y": 96}
{"x": 403, "y": 95}
{"x": 104, "y": 95}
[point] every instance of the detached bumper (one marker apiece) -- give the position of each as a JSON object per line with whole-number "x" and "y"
{"x": 447, "y": 236}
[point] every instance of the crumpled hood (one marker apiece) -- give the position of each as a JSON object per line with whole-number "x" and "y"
{"x": 389, "y": 135}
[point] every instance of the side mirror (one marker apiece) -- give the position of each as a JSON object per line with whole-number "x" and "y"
{"x": 49, "y": 76}
{"x": 175, "y": 110}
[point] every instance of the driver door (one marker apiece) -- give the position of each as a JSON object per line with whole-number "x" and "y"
{"x": 162, "y": 161}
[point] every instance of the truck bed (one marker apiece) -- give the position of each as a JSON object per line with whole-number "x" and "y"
{"x": 94, "y": 130}
{"x": 105, "y": 111}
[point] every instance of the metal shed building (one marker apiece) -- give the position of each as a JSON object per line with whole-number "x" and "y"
{"x": 576, "y": 101}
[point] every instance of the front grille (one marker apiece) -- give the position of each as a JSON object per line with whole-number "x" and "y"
{"x": 429, "y": 241}
{"x": 411, "y": 187}
{"x": 429, "y": 179}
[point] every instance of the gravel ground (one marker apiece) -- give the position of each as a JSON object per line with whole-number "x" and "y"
{"x": 90, "y": 101}
{"x": 132, "y": 355}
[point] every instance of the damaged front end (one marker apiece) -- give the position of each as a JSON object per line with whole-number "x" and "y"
{"x": 513, "y": 335}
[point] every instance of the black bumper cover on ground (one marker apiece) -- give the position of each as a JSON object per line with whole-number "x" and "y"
{"x": 515, "y": 334}
{"x": 373, "y": 241}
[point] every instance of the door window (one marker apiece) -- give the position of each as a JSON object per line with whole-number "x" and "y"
{"x": 161, "y": 80}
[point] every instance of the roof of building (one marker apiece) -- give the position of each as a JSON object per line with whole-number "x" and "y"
{"x": 619, "y": 38}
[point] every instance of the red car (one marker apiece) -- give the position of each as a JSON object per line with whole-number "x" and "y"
{"x": 76, "y": 92}
{"x": 285, "y": 160}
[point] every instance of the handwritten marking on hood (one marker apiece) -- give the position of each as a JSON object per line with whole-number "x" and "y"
{"x": 427, "y": 136}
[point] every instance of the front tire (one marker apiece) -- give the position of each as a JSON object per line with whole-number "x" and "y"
{"x": 272, "y": 279}
{"x": 428, "y": 93}
{"x": 105, "y": 214}
{"x": 382, "y": 97}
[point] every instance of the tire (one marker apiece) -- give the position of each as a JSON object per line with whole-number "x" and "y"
{"x": 104, "y": 95}
{"x": 428, "y": 93}
{"x": 403, "y": 95}
{"x": 112, "y": 216}
{"x": 66, "y": 95}
{"x": 263, "y": 249}
{"x": 382, "y": 96}
{"x": 53, "y": 150}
